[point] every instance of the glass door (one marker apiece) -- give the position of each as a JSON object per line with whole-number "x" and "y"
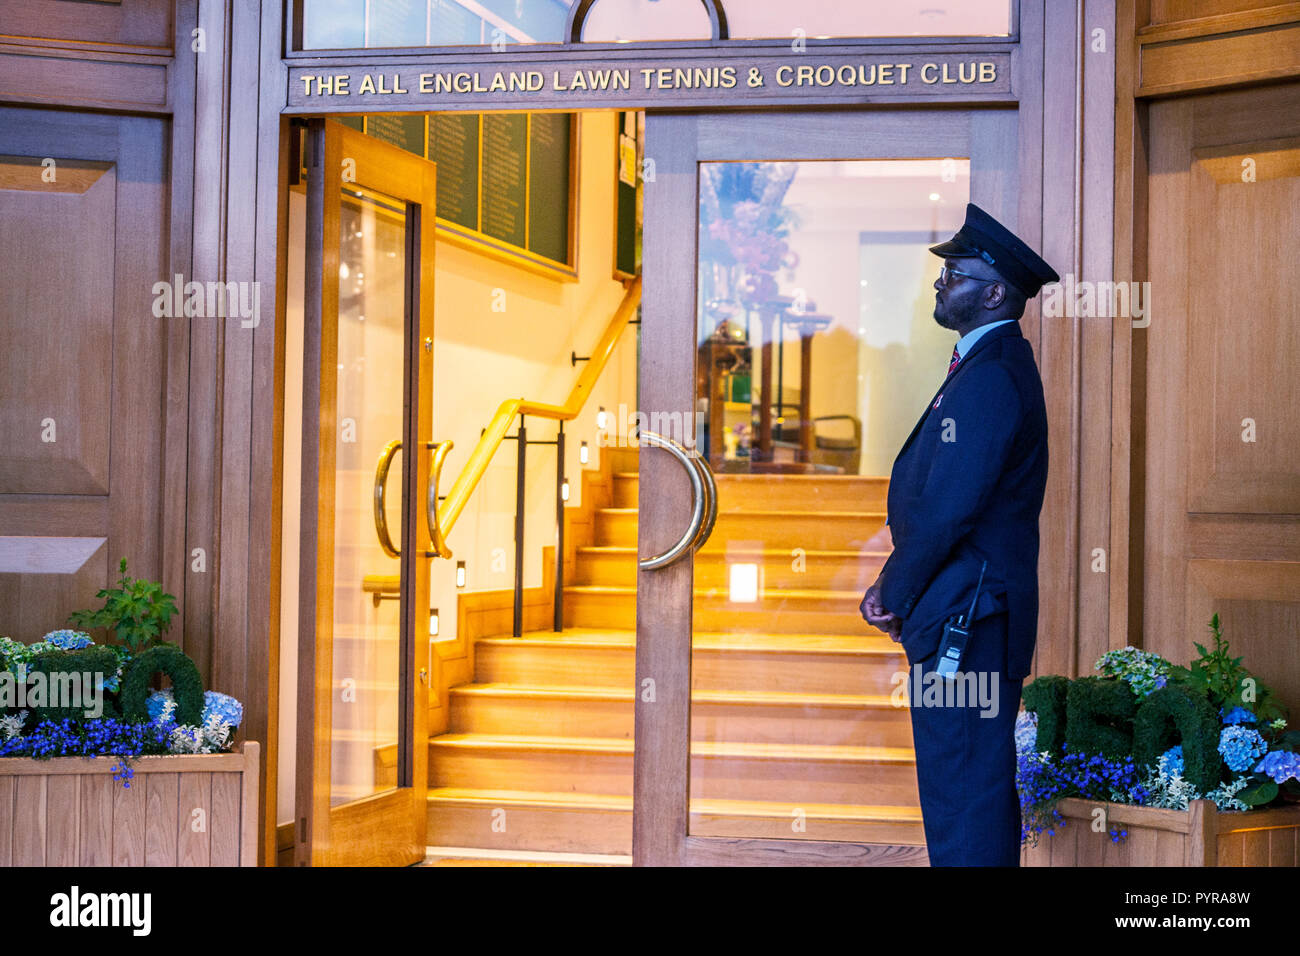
{"x": 365, "y": 551}
{"x": 793, "y": 364}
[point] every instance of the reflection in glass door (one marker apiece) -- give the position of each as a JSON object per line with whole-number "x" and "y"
{"x": 368, "y": 519}
{"x": 816, "y": 351}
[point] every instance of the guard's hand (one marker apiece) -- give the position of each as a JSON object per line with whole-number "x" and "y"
{"x": 874, "y": 613}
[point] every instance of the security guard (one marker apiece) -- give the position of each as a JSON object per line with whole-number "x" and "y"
{"x": 964, "y": 496}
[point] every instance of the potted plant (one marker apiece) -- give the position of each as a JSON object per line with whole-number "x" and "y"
{"x": 99, "y": 767}
{"x": 1149, "y": 763}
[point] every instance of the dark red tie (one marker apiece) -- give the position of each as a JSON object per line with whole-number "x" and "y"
{"x": 956, "y": 357}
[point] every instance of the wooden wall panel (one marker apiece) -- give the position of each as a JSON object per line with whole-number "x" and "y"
{"x": 138, "y": 23}
{"x": 1222, "y": 509}
{"x": 59, "y": 322}
{"x": 1172, "y": 11}
{"x": 88, "y": 372}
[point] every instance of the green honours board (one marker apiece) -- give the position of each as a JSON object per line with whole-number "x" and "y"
{"x": 548, "y": 185}
{"x": 627, "y": 226}
{"x": 453, "y": 145}
{"x": 505, "y": 177}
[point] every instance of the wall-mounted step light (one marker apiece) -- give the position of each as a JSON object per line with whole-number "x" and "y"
{"x": 743, "y": 583}
{"x": 460, "y": 574}
{"x": 583, "y": 454}
{"x": 564, "y": 490}
{"x": 600, "y": 417}
{"x": 433, "y": 622}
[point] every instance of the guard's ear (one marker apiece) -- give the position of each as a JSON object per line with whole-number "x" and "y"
{"x": 995, "y": 293}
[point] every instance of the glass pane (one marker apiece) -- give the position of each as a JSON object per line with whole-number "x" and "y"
{"x": 817, "y": 351}
{"x": 371, "y": 333}
{"x": 616, "y": 21}
{"x": 354, "y": 24}
{"x": 879, "y": 18}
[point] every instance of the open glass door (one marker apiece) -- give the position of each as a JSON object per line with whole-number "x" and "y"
{"x": 367, "y": 414}
{"x": 792, "y": 346}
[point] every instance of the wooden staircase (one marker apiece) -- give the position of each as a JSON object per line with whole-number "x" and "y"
{"x": 794, "y": 734}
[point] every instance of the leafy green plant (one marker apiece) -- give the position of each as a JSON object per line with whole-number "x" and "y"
{"x": 1222, "y": 678}
{"x": 137, "y": 611}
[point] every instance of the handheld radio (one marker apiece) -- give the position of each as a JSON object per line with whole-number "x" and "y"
{"x": 955, "y": 634}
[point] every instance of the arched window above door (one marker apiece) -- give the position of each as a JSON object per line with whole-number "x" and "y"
{"x": 498, "y": 24}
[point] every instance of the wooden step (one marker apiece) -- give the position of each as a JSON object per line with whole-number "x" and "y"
{"x": 741, "y": 716}
{"x": 823, "y": 530}
{"x": 489, "y": 856}
{"x": 783, "y": 611}
{"x": 602, "y": 823}
{"x": 779, "y": 492}
{"x": 778, "y": 568}
{"x": 791, "y": 663}
{"x": 781, "y": 773}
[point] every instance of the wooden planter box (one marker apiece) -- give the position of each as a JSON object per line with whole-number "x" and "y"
{"x": 69, "y": 811}
{"x": 1197, "y": 836}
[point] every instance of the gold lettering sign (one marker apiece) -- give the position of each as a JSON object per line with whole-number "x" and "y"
{"x": 573, "y": 82}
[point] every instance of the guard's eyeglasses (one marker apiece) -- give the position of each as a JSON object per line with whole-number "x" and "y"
{"x": 944, "y": 272}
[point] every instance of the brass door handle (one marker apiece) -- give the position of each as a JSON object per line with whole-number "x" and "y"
{"x": 710, "y": 499}
{"x": 440, "y": 549}
{"x": 704, "y": 508}
{"x": 381, "y": 486}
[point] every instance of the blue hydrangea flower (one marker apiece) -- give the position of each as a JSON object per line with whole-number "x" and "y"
{"x": 68, "y": 640}
{"x": 1241, "y": 747}
{"x": 1026, "y": 731}
{"x": 224, "y": 707}
{"x": 161, "y": 705}
{"x": 1280, "y": 765}
{"x": 1171, "y": 761}
{"x": 1238, "y": 715}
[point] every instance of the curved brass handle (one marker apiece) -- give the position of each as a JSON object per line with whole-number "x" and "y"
{"x": 710, "y": 499}
{"x": 381, "y": 486}
{"x": 687, "y": 540}
{"x": 440, "y": 549}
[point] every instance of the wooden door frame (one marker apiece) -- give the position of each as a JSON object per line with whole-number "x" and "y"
{"x": 1048, "y": 70}
{"x": 401, "y": 175}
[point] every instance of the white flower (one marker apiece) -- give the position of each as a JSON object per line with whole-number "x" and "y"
{"x": 12, "y": 725}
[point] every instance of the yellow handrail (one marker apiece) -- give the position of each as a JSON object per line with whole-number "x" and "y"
{"x": 481, "y": 457}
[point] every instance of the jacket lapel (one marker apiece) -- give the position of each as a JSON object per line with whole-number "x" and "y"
{"x": 1011, "y": 328}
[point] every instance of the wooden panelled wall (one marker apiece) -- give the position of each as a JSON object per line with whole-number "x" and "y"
{"x": 1207, "y": 190}
{"x": 183, "y": 424}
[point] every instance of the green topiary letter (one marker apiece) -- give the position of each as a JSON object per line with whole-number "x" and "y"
{"x": 1098, "y": 716}
{"x": 69, "y": 676}
{"x": 1046, "y": 698}
{"x": 187, "y": 684}
{"x": 1174, "y": 715}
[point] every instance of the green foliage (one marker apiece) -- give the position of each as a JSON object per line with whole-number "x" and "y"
{"x": 1173, "y": 715}
{"x": 137, "y": 611}
{"x": 1045, "y": 697}
{"x": 91, "y": 661}
{"x": 1221, "y": 677}
{"x": 1099, "y": 717}
{"x": 187, "y": 684}
{"x": 1258, "y": 793}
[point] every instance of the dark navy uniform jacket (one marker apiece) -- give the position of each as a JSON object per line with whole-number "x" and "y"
{"x": 967, "y": 487}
